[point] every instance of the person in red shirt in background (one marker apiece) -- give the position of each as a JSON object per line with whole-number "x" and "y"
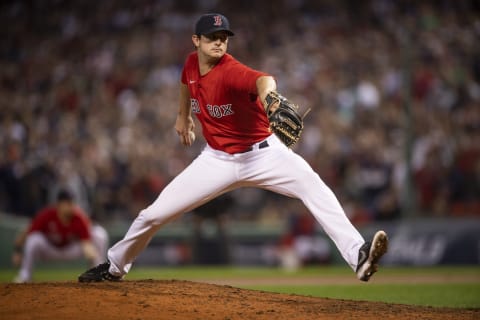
{"x": 60, "y": 232}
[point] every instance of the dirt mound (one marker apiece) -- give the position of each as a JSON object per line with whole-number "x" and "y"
{"x": 173, "y": 299}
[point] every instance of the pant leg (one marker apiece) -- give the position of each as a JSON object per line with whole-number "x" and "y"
{"x": 38, "y": 247}
{"x": 282, "y": 171}
{"x": 204, "y": 179}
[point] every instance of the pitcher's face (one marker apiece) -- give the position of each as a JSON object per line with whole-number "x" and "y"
{"x": 213, "y": 45}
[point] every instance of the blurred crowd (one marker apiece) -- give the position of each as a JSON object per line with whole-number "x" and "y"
{"x": 89, "y": 91}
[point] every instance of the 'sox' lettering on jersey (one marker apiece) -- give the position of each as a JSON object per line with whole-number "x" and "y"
{"x": 194, "y": 105}
{"x": 220, "y": 111}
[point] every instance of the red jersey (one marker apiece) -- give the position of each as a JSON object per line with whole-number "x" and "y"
{"x": 226, "y": 103}
{"x": 59, "y": 234}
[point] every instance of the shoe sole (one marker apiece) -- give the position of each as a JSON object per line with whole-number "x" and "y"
{"x": 83, "y": 280}
{"x": 377, "y": 250}
{"x": 103, "y": 279}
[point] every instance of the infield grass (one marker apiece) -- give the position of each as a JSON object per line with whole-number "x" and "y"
{"x": 390, "y": 287}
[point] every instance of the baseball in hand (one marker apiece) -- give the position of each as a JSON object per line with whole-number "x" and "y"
{"x": 192, "y": 136}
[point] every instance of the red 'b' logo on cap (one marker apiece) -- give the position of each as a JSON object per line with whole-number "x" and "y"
{"x": 218, "y": 21}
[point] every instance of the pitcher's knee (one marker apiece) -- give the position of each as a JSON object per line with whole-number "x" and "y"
{"x": 152, "y": 216}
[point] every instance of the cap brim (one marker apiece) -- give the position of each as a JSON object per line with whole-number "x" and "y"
{"x": 229, "y": 33}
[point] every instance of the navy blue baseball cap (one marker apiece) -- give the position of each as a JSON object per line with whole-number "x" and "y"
{"x": 212, "y": 22}
{"x": 64, "y": 195}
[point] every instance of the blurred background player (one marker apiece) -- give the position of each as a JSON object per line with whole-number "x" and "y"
{"x": 59, "y": 232}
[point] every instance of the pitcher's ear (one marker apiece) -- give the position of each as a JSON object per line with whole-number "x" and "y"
{"x": 196, "y": 40}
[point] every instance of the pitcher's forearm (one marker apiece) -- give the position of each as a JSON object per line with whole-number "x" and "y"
{"x": 265, "y": 84}
{"x": 184, "y": 109}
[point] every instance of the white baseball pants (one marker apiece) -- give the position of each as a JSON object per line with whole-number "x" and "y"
{"x": 37, "y": 247}
{"x": 213, "y": 172}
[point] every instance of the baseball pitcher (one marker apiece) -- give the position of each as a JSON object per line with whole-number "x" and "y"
{"x": 249, "y": 128}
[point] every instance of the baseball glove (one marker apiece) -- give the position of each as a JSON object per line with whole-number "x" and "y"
{"x": 284, "y": 117}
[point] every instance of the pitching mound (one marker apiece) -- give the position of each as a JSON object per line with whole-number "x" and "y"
{"x": 189, "y": 300}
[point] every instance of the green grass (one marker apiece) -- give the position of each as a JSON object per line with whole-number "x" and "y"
{"x": 67, "y": 272}
{"x": 457, "y": 295}
{"x": 186, "y": 273}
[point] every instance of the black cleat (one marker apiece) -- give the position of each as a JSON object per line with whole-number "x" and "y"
{"x": 98, "y": 274}
{"x": 369, "y": 255}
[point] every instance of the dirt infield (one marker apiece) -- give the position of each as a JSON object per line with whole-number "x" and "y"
{"x": 153, "y": 299}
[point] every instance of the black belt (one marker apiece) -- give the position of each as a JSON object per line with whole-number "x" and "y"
{"x": 262, "y": 145}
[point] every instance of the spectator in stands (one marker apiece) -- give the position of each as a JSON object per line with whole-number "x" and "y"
{"x": 98, "y": 89}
